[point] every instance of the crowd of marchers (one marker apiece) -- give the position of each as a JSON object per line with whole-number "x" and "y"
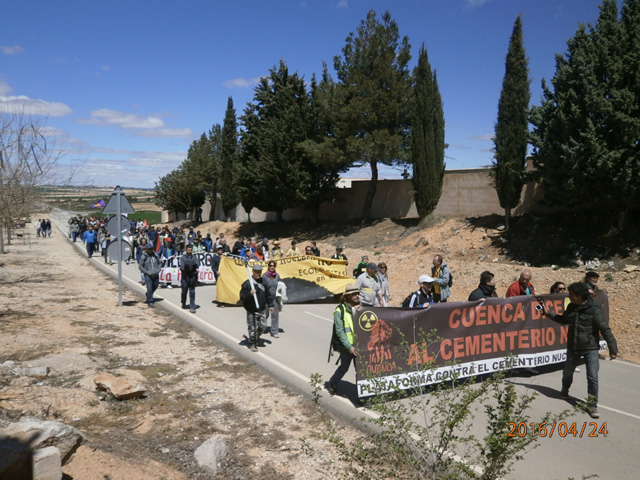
{"x": 263, "y": 294}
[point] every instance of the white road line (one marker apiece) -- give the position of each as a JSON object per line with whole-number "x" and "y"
{"x": 621, "y": 412}
{"x": 318, "y": 316}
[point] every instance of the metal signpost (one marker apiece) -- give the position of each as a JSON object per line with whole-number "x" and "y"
{"x": 118, "y": 249}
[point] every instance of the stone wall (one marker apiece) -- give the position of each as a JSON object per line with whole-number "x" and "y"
{"x": 465, "y": 193}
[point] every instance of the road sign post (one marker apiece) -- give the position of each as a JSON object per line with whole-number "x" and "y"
{"x": 118, "y": 205}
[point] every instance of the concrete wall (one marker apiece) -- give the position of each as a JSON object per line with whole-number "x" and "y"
{"x": 465, "y": 193}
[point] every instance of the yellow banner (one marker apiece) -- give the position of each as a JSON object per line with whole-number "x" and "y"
{"x": 306, "y": 277}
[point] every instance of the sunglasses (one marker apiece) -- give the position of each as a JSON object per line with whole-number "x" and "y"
{"x": 561, "y": 289}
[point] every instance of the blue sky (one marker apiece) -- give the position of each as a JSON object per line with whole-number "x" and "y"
{"x": 126, "y": 86}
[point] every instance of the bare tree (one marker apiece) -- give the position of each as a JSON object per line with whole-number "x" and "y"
{"x": 27, "y": 160}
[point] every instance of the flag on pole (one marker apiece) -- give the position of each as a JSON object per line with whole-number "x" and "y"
{"x": 99, "y": 204}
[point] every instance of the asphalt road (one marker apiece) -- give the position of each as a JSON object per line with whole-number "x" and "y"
{"x": 301, "y": 350}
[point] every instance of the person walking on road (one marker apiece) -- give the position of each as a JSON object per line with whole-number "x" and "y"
{"x": 189, "y": 277}
{"x": 270, "y": 281}
{"x": 149, "y": 266}
{"x": 89, "y": 239}
{"x": 251, "y": 291}
{"x": 586, "y": 322}
{"x": 343, "y": 339}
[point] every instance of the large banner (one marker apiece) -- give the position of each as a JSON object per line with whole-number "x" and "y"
{"x": 170, "y": 272}
{"x": 306, "y": 277}
{"x": 473, "y": 338}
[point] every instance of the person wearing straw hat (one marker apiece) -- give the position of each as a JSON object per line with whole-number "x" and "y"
{"x": 343, "y": 339}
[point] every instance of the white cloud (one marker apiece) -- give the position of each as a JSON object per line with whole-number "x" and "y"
{"x": 29, "y": 106}
{"x": 4, "y": 87}
{"x": 150, "y": 126}
{"x": 482, "y": 138}
{"x": 11, "y": 49}
{"x": 241, "y": 82}
{"x": 476, "y": 3}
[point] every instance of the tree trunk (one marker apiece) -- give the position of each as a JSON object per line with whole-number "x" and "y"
{"x": 1, "y": 241}
{"x": 507, "y": 218}
{"x": 371, "y": 192}
{"x": 278, "y": 216}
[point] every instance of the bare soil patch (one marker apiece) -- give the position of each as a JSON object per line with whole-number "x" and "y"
{"x": 57, "y": 311}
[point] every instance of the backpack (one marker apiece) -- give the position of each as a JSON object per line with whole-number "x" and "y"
{"x": 450, "y": 279}
{"x": 335, "y": 345}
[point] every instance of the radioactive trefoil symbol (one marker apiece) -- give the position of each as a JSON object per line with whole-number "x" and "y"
{"x": 367, "y": 319}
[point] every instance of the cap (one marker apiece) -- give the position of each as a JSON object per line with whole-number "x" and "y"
{"x": 265, "y": 240}
{"x": 339, "y": 248}
{"x": 219, "y": 247}
{"x": 365, "y": 256}
{"x": 276, "y": 242}
{"x": 372, "y": 266}
{"x": 426, "y": 279}
{"x": 257, "y": 267}
{"x": 352, "y": 288}
{"x": 149, "y": 245}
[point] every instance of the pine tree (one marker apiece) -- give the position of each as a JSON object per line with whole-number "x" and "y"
{"x": 427, "y": 137}
{"x": 273, "y": 177}
{"x": 373, "y": 85}
{"x": 511, "y": 129}
{"x": 586, "y": 148}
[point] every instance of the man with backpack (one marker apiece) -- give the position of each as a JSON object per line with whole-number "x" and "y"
{"x": 443, "y": 279}
{"x": 343, "y": 339}
{"x": 423, "y": 297}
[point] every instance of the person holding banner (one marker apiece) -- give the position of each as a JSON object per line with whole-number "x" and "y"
{"x": 189, "y": 278}
{"x": 255, "y": 298}
{"x": 522, "y": 286}
{"x": 342, "y": 339}
{"x": 294, "y": 251}
{"x": 270, "y": 280}
{"x": 586, "y": 322}
{"x": 370, "y": 289}
{"x": 486, "y": 289}
{"x": 277, "y": 252}
{"x": 423, "y": 297}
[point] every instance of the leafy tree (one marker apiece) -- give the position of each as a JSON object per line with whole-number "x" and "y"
{"x": 273, "y": 176}
{"x": 511, "y": 128}
{"x": 427, "y": 137}
{"x": 373, "y": 85}
{"x": 201, "y": 167}
{"x": 229, "y": 158}
{"x": 323, "y": 159}
{"x": 586, "y": 148}
{"x": 174, "y": 193}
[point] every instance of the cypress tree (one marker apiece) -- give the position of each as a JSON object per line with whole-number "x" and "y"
{"x": 511, "y": 129}
{"x": 229, "y": 157}
{"x": 427, "y": 137}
